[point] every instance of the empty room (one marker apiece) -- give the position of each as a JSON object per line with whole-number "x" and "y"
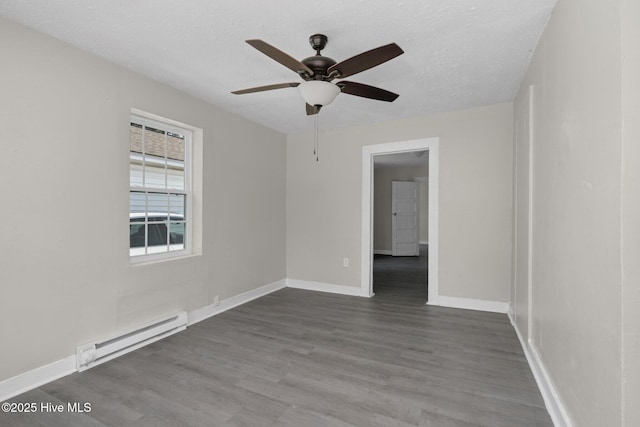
{"x": 293, "y": 213}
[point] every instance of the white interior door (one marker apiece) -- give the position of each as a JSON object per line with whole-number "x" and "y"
{"x": 405, "y": 215}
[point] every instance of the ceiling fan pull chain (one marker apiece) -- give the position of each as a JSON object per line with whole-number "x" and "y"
{"x": 316, "y": 142}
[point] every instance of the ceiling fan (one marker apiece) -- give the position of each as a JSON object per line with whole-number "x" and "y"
{"x": 318, "y": 71}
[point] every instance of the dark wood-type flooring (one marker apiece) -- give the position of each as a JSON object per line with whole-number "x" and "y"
{"x": 303, "y": 358}
{"x": 401, "y": 279}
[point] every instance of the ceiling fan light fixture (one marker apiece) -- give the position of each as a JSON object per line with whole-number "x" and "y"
{"x": 318, "y": 92}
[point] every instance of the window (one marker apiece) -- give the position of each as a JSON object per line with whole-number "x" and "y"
{"x": 160, "y": 190}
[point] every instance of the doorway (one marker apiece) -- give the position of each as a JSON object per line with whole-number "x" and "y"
{"x": 399, "y": 261}
{"x": 369, "y": 154}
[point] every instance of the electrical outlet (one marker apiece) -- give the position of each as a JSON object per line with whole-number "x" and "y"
{"x": 216, "y": 300}
{"x": 345, "y": 262}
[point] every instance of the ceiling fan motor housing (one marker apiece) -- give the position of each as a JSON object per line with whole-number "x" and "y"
{"x": 319, "y": 64}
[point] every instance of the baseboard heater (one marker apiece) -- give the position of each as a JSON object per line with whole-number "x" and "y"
{"x": 93, "y": 354}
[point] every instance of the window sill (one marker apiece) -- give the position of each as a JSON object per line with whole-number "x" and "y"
{"x": 146, "y": 261}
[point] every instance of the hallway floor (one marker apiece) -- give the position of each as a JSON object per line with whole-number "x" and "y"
{"x": 401, "y": 279}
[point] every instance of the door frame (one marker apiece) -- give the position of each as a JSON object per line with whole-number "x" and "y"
{"x": 368, "y": 153}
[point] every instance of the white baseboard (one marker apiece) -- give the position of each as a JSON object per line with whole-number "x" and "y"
{"x": 473, "y": 304}
{"x": 552, "y": 401}
{"x": 35, "y": 378}
{"x": 200, "y": 314}
{"x": 325, "y": 287}
{"x": 382, "y": 252}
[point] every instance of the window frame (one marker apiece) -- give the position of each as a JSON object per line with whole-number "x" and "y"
{"x": 170, "y": 126}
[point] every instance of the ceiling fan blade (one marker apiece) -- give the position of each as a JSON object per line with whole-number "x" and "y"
{"x": 365, "y": 60}
{"x": 311, "y": 110}
{"x": 366, "y": 91}
{"x": 281, "y": 57}
{"x": 263, "y": 88}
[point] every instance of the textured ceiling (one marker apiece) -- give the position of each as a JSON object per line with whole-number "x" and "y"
{"x": 458, "y": 53}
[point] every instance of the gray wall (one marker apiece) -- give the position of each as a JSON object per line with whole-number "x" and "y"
{"x": 630, "y": 210}
{"x": 324, "y": 200}
{"x": 585, "y": 295}
{"x": 66, "y": 278}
